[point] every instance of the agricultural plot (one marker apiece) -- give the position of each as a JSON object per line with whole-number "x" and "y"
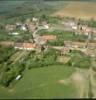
{"x": 83, "y": 10}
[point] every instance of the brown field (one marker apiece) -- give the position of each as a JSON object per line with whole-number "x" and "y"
{"x": 83, "y": 10}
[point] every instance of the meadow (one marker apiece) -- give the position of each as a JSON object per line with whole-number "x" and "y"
{"x": 42, "y": 83}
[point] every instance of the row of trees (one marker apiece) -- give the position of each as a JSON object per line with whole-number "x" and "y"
{"x": 8, "y": 71}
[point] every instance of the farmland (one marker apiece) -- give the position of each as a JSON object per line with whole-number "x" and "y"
{"x": 83, "y": 10}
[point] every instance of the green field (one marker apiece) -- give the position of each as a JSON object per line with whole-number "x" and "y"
{"x": 42, "y": 83}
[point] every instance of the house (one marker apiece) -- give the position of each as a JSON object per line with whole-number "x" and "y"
{"x": 23, "y": 27}
{"x": 31, "y": 27}
{"x": 18, "y": 24}
{"x": 45, "y": 24}
{"x": 74, "y": 27}
{"x": 65, "y": 51}
{"x": 83, "y": 27}
{"x": 10, "y": 27}
{"x": 38, "y": 40}
{"x": 28, "y": 20}
{"x": 70, "y": 23}
{"x": 90, "y": 52}
{"x": 67, "y": 43}
{"x": 48, "y": 37}
{"x": 73, "y": 44}
{"x": 25, "y": 46}
{"x": 34, "y": 19}
{"x": 7, "y": 43}
{"x": 13, "y": 33}
{"x": 86, "y": 30}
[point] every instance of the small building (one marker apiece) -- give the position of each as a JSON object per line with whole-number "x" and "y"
{"x": 10, "y": 27}
{"x": 23, "y": 28}
{"x": 65, "y": 51}
{"x": 18, "y": 24}
{"x": 86, "y": 30}
{"x": 46, "y": 26}
{"x": 75, "y": 27}
{"x": 31, "y": 27}
{"x": 13, "y": 33}
{"x": 48, "y": 37}
{"x": 90, "y": 52}
{"x": 70, "y": 23}
{"x": 7, "y": 43}
{"x": 67, "y": 43}
{"x": 34, "y": 19}
{"x": 83, "y": 27}
{"x": 72, "y": 44}
{"x": 25, "y": 46}
{"x": 28, "y": 20}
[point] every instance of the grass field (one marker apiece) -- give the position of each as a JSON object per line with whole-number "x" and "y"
{"x": 83, "y": 10}
{"x": 42, "y": 83}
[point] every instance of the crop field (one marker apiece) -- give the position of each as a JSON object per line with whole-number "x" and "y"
{"x": 83, "y": 10}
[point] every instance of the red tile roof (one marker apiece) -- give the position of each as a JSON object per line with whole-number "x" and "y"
{"x": 48, "y": 37}
{"x": 29, "y": 45}
{"x": 26, "y": 45}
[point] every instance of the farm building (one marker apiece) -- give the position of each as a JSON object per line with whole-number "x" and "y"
{"x": 14, "y": 33}
{"x": 34, "y": 19}
{"x": 32, "y": 27}
{"x": 23, "y": 27}
{"x": 70, "y": 23}
{"x": 10, "y": 27}
{"x": 90, "y": 52}
{"x": 78, "y": 44}
{"x": 48, "y": 37}
{"x": 25, "y": 46}
{"x": 38, "y": 40}
{"x": 65, "y": 51}
{"x": 74, "y": 44}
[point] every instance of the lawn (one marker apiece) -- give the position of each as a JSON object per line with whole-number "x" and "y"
{"x": 42, "y": 83}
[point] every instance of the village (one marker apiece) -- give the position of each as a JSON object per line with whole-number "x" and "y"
{"x": 33, "y": 25}
{"x": 47, "y": 49}
{"x": 47, "y": 44}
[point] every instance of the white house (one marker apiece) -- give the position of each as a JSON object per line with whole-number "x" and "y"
{"x": 35, "y": 19}
{"x": 25, "y": 46}
{"x": 86, "y": 33}
{"x": 23, "y": 28}
{"x": 46, "y": 26}
{"x": 74, "y": 27}
{"x": 14, "y": 33}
